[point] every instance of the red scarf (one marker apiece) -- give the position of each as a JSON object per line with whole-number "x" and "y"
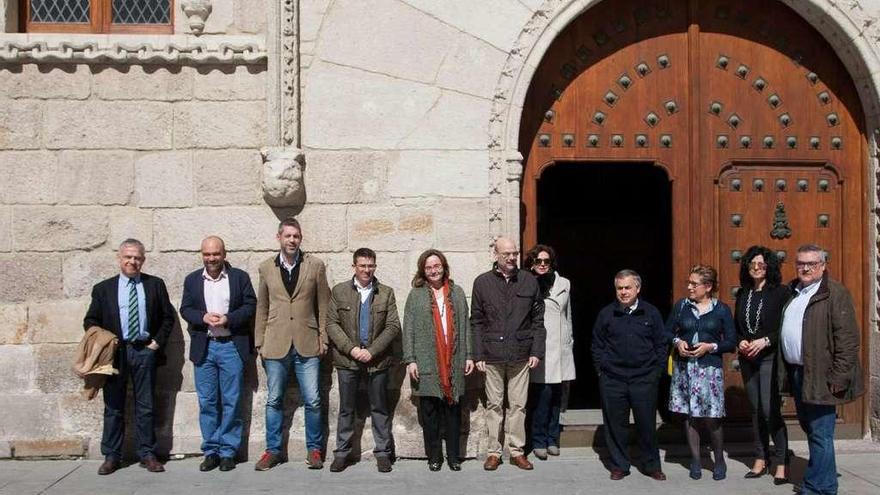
{"x": 445, "y": 345}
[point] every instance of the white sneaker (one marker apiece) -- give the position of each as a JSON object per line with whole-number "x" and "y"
{"x": 553, "y": 450}
{"x": 540, "y": 454}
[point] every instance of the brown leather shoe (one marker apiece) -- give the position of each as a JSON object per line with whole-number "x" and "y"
{"x": 492, "y": 463}
{"x": 109, "y": 466}
{"x": 521, "y": 462}
{"x": 657, "y": 475}
{"x": 618, "y": 474}
{"x": 152, "y": 465}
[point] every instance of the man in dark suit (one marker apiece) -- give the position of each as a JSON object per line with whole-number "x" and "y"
{"x": 219, "y": 304}
{"x": 135, "y": 306}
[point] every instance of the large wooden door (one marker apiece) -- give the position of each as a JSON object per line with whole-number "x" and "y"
{"x": 748, "y": 110}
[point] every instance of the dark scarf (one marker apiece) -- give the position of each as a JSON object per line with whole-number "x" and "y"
{"x": 545, "y": 283}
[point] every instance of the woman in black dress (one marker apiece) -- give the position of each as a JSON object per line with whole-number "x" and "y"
{"x": 758, "y": 316}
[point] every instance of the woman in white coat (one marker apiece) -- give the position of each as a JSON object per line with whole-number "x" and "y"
{"x": 545, "y": 393}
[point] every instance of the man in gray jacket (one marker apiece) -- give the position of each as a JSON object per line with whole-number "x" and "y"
{"x": 362, "y": 323}
{"x": 820, "y": 349}
{"x": 507, "y": 321}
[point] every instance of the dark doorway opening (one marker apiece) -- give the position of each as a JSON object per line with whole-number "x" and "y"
{"x": 601, "y": 218}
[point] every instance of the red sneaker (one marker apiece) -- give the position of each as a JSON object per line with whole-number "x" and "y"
{"x": 314, "y": 460}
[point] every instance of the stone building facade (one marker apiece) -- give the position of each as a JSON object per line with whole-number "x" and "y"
{"x": 391, "y": 124}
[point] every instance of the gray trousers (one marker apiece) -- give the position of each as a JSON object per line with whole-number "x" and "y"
{"x": 763, "y": 391}
{"x": 377, "y": 385}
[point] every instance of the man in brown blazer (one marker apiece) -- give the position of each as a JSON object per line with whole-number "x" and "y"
{"x": 290, "y": 332}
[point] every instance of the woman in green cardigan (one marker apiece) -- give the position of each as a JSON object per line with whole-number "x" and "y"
{"x": 438, "y": 352}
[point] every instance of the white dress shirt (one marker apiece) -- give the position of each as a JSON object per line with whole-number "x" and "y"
{"x": 793, "y": 324}
{"x": 217, "y": 299}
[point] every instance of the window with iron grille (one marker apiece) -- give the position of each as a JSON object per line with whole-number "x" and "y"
{"x": 98, "y": 16}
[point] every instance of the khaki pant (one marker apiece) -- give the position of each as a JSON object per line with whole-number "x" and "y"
{"x": 514, "y": 377}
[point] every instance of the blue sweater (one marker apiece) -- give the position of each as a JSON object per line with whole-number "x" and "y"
{"x": 629, "y": 345}
{"x": 714, "y": 327}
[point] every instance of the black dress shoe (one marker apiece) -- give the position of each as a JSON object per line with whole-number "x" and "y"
{"x": 435, "y": 465}
{"x": 210, "y": 462}
{"x": 454, "y": 466}
{"x": 109, "y": 466}
{"x": 227, "y": 464}
{"x": 750, "y": 475}
{"x": 780, "y": 481}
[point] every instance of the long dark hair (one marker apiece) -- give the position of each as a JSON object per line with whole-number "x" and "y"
{"x": 419, "y": 279}
{"x": 774, "y": 275}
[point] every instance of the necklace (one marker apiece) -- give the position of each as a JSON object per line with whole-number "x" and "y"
{"x": 440, "y": 300}
{"x": 751, "y": 330}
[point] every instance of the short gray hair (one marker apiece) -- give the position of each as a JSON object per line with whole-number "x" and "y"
{"x": 626, "y": 272}
{"x": 133, "y": 242}
{"x": 812, "y": 248}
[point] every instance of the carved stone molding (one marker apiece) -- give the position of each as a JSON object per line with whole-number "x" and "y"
{"x": 283, "y": 166}
{"x": 197, "y": 12}
{"x": 89, "y": 51}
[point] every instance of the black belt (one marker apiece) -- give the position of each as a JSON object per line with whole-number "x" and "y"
{"x": 227, "y": 338}
{"x": 137, "y": 344}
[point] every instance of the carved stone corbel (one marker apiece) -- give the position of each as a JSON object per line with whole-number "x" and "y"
{"x": 284, "y": 161}
{"x": 197, "y": 12}
{"x": 282, "y": 181}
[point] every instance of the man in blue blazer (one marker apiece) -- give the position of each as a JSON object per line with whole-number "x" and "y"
{"x": 219, "y": 304}
{"x": 134, "y": 306}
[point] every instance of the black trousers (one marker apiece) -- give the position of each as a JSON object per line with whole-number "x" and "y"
{"x": 435, "y": 414}
{"x": 762, "y": 387}
{"x": 377, "y": 391}
{"x": 137, "y": 362}
{"x": 619, "y": 397}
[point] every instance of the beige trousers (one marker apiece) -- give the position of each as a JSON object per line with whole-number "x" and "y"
{"x": 514, "y": 377}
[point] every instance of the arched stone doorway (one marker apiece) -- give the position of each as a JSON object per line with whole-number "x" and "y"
{"x": 748, "y": 108}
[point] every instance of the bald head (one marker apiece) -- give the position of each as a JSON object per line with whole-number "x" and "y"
{"x": 213, "y": 242}
{"x": 213, "y": 255}
{"x": 506, "y": 255}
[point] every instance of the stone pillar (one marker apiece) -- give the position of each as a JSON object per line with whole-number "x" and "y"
{"x": 8, "y": 16}
{"x": 283, "y": 159}
{"x": 513, "y": 167}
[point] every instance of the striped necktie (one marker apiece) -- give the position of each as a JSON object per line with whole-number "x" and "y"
{"x": 134, "y": 324}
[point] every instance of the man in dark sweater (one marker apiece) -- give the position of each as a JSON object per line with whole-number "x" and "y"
{"x": 629, "y": 352}
{"x": 507, "y": 321}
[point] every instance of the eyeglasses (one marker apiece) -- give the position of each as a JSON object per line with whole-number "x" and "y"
{"x": 807, "y": 265}
{"x": 758, "y": 265}
{"x": 542, "y": 261}
{"x": 509, "y": 254}
{"x": 694, "y": 284}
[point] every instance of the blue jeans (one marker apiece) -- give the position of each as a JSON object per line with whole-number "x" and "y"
{"x": 219, "y": 378}
{"x": 307, "y": 375}
{"x": 546, "y": 406}
{"x": 817, "y": 422}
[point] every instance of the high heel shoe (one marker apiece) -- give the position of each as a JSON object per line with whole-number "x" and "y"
{"x": 750, "y": 475}
{"x": 696, "y": 472}
{"x": 719, "y": 472}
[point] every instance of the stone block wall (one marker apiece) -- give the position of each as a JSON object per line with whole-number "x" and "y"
{"x": 399, "y": 118}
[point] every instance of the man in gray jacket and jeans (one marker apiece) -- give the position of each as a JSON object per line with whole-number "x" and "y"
{"x": 507, "y": 321}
